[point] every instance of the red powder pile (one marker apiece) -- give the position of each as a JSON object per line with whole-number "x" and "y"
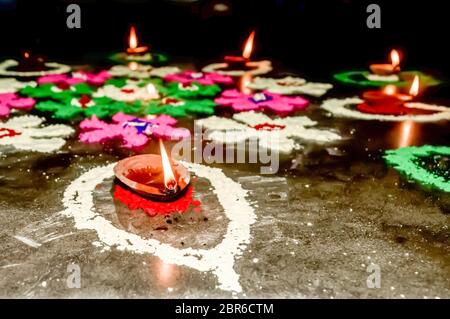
{"x": 152, "y": 208}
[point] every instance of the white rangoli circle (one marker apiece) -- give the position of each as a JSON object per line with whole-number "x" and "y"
{"x": 338, "y": 108}
{"x": 79, "y": 204}
{"x": 54, "y": 68}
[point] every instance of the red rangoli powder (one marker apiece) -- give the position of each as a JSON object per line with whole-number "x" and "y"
{"x": 152, "y": 208}
{"x": 6, "y": 132}
{"x": 391, "y": 109}
{"x": 268, "y": 127}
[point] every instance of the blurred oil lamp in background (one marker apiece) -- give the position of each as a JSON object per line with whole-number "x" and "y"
{"x": 138, "y": 53}
{"x": 240, "y": 62}
{"x": 31, "y": 65}
{"x": 133, "y": 44}
{"x": 389, "y": 101}
{"x": 153, "y": 176}
{"x": 382, "y": 74}
{"x": 389, "y": 68}
{"x": 30, "y": 62}
{"x": 240, "y": 65}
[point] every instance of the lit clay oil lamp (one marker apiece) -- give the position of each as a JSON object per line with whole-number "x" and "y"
{"x": 137, "y": 53}
{"x": 388, "y": 68}
{"x": 241, "y": 65}
{"x": 241, "y": 62}
{"x": 153, "y": 176}
{"x": 133, "y": 47}
{"x": 389, "y": 102}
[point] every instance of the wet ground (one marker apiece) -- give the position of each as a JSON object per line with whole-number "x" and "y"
{"x": 330, "y": 213}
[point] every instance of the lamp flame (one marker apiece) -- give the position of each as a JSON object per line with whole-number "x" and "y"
{"x": 415, "y": 87}
{"x": 395, "y": 58}
{"x": 169, "y": 178}
{"x": 151, "y": 90}
{"x": 132, "y": 40}
{"x": 248, "y": 48}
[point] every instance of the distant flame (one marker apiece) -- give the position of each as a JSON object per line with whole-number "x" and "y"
{"x": 395, "y": 58}
{"x": 26, "y": 55}
{"x": 152, "y": 92}
{"x": 133, "y": 66}
{"x": 169, "y": 178}
{"x": 390, "y": 90}
{"x": 132, "y": 40}
{"x": 248, "y": 48}
{"x": 414, "y": 90}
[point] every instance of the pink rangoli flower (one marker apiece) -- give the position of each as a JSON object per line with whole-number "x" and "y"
{"x": 76, "y": 78}
{"x": 132, "y": 131}
{"x": 204, "y": 78}
{"x": 261, "y": 101}
{"x": 10, "y": 101}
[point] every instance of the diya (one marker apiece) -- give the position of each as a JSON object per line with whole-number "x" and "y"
{"x": 241, "y": 65}
{"x": 388, "y": 105}
{"x": 138, "y": 53}
{"x": 153, "y": 176}
{"x": 31, "y": 66}
{"x": 382, "y": 74}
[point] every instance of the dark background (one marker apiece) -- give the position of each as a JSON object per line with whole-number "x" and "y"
{"x": 316, "y": 37}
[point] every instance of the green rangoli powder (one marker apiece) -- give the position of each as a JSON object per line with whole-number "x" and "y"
{"x": 428, "y": 165}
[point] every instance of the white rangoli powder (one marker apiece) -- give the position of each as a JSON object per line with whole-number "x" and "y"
{"x": 79, "y": 204}
{"x": 30, "y": 135}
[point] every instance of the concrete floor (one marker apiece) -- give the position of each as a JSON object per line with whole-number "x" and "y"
{"x": 321, "y": 222}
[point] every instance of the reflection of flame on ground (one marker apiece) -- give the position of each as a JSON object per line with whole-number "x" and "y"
{"x": 406, "y": 134}
{"x": 166, "y": 274}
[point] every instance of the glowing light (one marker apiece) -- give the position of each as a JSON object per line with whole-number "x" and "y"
{"x": 248, "y": 48}
{"x": 169, "y": 178}
{"x": 132, "y": 40}
{"x": 395, "y": 58}
{"x": 415, "y": 87}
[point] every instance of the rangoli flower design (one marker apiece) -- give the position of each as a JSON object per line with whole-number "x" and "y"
{"x": 60, "y": 91}
{"x": 261, "y": 101}
{"x": 275, "y": 134}
{"x": 128, "y": 90}
{"x": 29, "y": 134}
{"x": 10, "y": 101}
{"x": 428, "y": 165}
{"x": 290, "y": 86}
{"x": 11, "y": 85}
{"x": 203, "y": 78}
{"x": 139, "y": 71}
{"x": 180, "y": 108}
{"x": 7, "y": 68}
{"x": 190, "y": 90}
{"x": 86, "y": 106}
{"x": 133, "y": 132}
{"x": 76, "y": 78}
